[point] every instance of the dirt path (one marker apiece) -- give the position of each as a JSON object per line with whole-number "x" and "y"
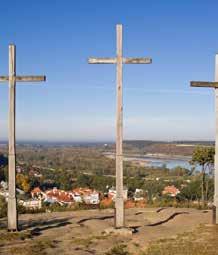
{"x": 82, "y": 232}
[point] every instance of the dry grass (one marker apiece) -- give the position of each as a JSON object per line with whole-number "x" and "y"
{"x": 22, "y": 243}
{"x": 35, "y": 248}
{"x": 14, "y": 236}
{"x": 120, "y": 249}
{"x": 203, "y": 241}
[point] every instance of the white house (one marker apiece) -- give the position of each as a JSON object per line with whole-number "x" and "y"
{"x": 138, "y": 195}
{"x": 31, "y": 204}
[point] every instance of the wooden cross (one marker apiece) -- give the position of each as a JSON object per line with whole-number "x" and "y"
{"x": 215, "y": 86}
{"x": 12, "y": 79}
{"x": 119, "y": 60}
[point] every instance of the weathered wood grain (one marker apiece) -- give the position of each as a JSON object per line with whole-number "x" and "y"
{"x": 124, "y": 60}
{"x": 119, "y": 202}
{"x": 137, "y": 60}
{"x": 12, "y": 205}
{"x": 102, "y": 60}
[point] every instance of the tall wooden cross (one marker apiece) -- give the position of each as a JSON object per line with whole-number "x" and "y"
{"x": 215, "y": 86}
{"x": 119, "y": 60}
{"x": 12, "y": 79}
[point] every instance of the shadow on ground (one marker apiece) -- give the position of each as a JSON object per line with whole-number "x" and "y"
{"x": 36, "y": 227}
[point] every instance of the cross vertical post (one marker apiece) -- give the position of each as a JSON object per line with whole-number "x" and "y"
{"x": 119, "y": 60}
{"x": 12, "y": 201}
{"x": 12, "y": 78}
{"x": 119, "y": 202}
{"x": 215, "y": 86}
{"x": 216, "y": 146}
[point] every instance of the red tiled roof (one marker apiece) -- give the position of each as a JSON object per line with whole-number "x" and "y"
{"x": 60, "y": 195}
{"x": 84, "y": 191}
{"x": 170, "y": 190}
{"x": 36, "y": 190}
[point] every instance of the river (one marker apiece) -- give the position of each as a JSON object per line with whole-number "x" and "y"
{"x": 157, "y": 160}
{"x": 169, "y": 163}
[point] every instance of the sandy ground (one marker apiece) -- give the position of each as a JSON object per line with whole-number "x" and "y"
{"x": 82, "y": 232}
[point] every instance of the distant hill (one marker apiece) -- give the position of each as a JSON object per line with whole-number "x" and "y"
{"x": 160, "y": 147}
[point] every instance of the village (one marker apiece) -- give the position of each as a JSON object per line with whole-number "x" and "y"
{"x": 37, "y": 197}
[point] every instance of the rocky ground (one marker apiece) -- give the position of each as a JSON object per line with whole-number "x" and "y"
{"x": 83, "y": 232}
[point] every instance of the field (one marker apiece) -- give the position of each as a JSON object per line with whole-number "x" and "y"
{"x": 155, "y": 231}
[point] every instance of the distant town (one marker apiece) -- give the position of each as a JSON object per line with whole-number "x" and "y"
{"x": 66, "y": 177}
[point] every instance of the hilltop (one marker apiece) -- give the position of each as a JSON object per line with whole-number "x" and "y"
{"x": 82, "y": 232}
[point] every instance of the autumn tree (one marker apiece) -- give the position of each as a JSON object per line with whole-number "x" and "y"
{"x": 23, "y": 182}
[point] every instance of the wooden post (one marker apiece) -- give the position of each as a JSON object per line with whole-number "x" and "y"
{"x": 119, "y": 202}
{"x": 216, "y": 145}
{"x": 12, "y": 78}
{"x": 12, "y": 203}
{"x": 215, "y": 86}
{"x": 119, "y": 61}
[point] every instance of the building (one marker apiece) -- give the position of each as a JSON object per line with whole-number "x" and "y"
{"x": 78, "y": 195}
{"x": 5, "y": 194}
{"x": 86, "y": 195}
{"x": 171, "y": 191}
{"x": 60, "y": 196}
{"x": 138, "y": 195}
{"x": 31, "y": 204}
{"x": 37, "y": 193}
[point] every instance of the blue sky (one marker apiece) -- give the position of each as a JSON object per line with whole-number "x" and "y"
{"x": 77, "y": 103}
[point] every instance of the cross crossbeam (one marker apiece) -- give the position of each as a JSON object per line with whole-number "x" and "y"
{"x": 204, "y": 84}
{"x": 124, "y": 60}
{"x": 119, "y": 60}
{"x": 12, "y": 79}
{"x": 29, "y": 78}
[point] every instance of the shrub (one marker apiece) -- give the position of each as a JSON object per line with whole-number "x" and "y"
{"x": 3, "y": 207}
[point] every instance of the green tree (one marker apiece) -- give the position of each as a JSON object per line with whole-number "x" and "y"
{"x": 153, "y": 189}
{"x": 3, "y": 207}
{"x": 84, "y": 180}
{"x": 203, "y": 156}
{"x": 191, "y": 191}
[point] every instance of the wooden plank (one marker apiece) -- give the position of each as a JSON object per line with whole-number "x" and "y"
{"x": 216, "y": 147}
{"x": 31, "y": 78}
{"x": 204, "y": 84}
{"x": 28, "y": 78}
{"x": 137, "y": 60}
{"x": 102, "y": 60}
{"x": 119, "y": 203}
{"x": 124, "y": 60}
{"x": 4, "y": 78}
{"x": 12, "y": 205}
